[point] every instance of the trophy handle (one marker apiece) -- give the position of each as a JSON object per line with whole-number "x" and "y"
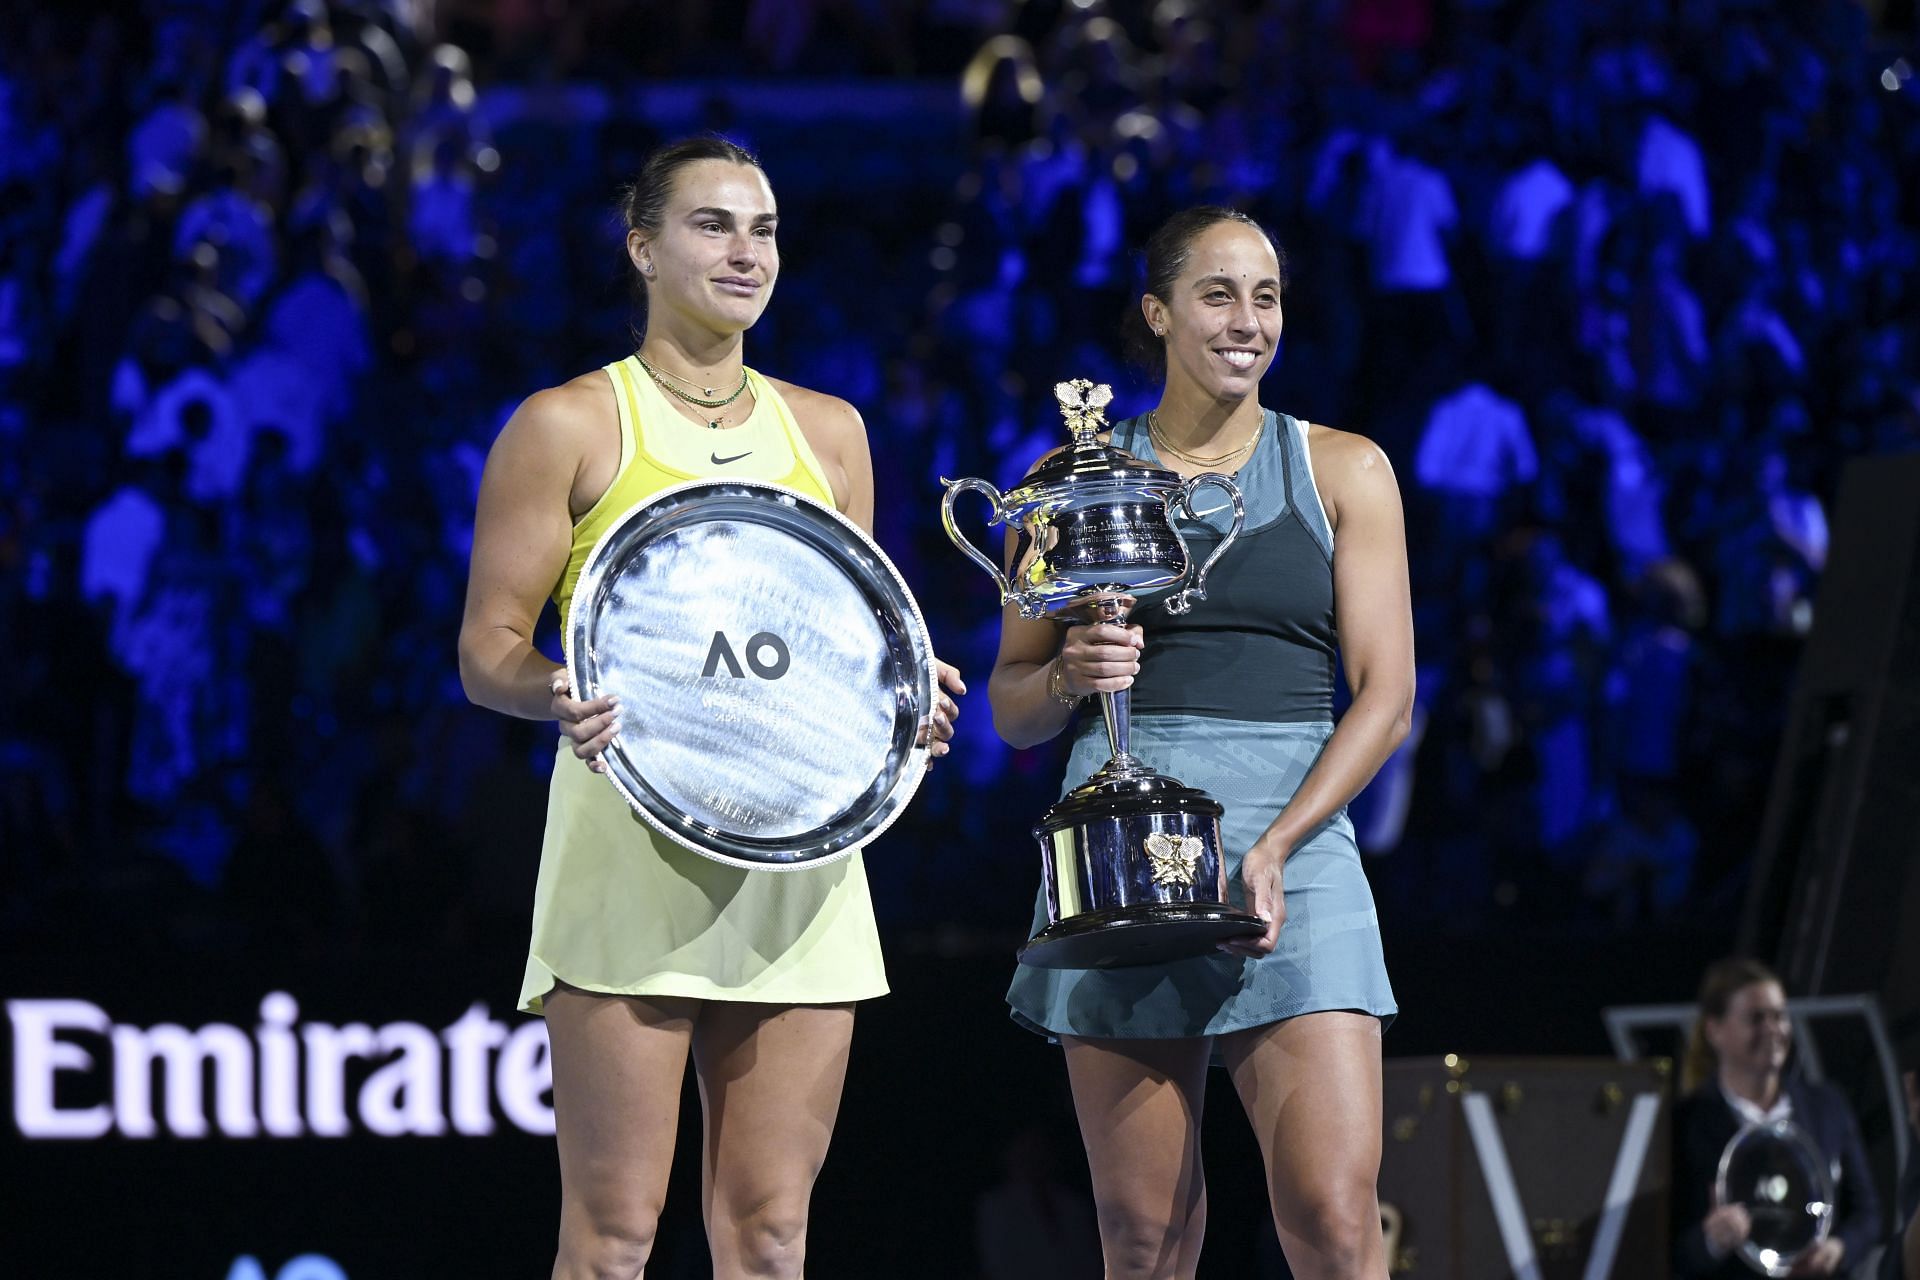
{"x": 1181, "y": 601}
{"x": 954, "y": 489}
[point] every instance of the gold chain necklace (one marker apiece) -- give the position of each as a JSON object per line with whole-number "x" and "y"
{"x": 1161, "y": 442}
{"x": 658, "y": 372}
{"x": 719, "y": 402}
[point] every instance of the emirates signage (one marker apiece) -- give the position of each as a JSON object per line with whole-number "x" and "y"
{"x": 78, "y": 1075}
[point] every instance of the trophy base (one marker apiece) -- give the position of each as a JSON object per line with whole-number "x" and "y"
{"x": 1150, "y": 933}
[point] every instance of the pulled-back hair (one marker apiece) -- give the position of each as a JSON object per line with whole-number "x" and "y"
{"x": 643, "y": 202}
{"x": 1723, "y": 980}
{"x": 1167, "y": 251}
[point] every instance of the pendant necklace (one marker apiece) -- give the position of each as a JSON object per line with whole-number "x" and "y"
{"x": 709, "y": 401}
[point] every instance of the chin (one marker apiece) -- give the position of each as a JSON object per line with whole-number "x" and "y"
{"x": 734, "y": 319}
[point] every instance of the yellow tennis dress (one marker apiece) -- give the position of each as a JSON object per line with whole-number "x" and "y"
{"x": 620, "y": 908}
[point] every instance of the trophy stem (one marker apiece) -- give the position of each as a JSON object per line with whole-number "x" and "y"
{"x": 1117, "y": 707}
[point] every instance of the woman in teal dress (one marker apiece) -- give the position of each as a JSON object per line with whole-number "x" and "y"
{"x": 1236, "y": 697}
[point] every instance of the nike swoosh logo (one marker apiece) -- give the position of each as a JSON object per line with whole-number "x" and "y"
{"x": 719, "y": 461}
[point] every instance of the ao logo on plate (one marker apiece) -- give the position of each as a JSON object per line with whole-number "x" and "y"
{"x": 766, "y": 652}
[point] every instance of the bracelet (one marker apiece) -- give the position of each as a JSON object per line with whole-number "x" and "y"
{"x": 1056, "y": 684}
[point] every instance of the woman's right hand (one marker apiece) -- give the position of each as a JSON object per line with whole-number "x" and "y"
{"x": 1099, "y": 657}
{"x": 590, "y": 726}
{"x": 1727, "y": 1228}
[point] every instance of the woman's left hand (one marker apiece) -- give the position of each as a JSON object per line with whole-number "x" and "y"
{"x": 1823, "y": 1259}
{"x": 938, "y": 731}
{"x": 1260, "y": 872}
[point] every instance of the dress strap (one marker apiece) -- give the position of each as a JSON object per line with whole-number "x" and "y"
{"x": 1302, "y": 491}
{"x": 626, "y": 396}
{"x": 764, "y": 393}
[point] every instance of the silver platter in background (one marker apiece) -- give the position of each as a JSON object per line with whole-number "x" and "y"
{"x": 1776, "y": 1172}
{"x": 773, "y": 672}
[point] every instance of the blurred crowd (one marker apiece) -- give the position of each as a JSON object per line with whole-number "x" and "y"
{"x": 1617, "y": 287}
{"x": 239, "y": 242}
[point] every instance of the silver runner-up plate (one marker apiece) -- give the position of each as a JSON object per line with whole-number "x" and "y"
{"x": 1778, "y": 1175}
{"x": 773, "y": 670}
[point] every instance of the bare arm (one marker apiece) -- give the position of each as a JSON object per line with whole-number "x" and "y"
{"x": 522, "y": 533}
{"x": 1100, "y": 658}
{"x": 1024, "y": 713}
{"x": 1373, "y": 612}
{"x": 1096, "y": 658}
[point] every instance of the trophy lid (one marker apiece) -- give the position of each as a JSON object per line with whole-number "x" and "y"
{"x": 1111, "y": 794}
{"x": 1082, "y": 403}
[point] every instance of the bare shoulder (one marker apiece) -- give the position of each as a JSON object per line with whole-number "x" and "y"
{"x": 557, "y": 442}
{"x": 822, "y": 416}
{"x": 571, "y": 415}
{"x": 1335, "y": 450}
{"x": 1349, "y": 468}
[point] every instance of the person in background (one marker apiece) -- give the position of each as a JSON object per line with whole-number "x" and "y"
{"x": 1736, "y": 1074}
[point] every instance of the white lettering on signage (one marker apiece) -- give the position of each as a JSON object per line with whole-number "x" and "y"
{"x": 38, "y": 1057}
{"x": 328, "y": 1050}
{"x": 469, "y": 1041}
{"x": 525, "y": 1074}
{"x": 183, "y": 1056}
{"x": 404, "y": 1096}
{"x": 288, "y": 1079}
{"x": 279, "y": 1066}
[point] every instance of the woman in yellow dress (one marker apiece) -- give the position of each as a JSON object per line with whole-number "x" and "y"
{"x": 643, "y": 952}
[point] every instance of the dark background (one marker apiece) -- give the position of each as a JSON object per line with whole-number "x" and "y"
{"x": 1620, "y": 288}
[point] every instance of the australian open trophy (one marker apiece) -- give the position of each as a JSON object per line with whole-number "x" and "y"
{"x": 1131, "y": 859}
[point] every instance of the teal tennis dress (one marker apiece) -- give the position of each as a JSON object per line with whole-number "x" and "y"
{"x": 1236, "y": 697}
